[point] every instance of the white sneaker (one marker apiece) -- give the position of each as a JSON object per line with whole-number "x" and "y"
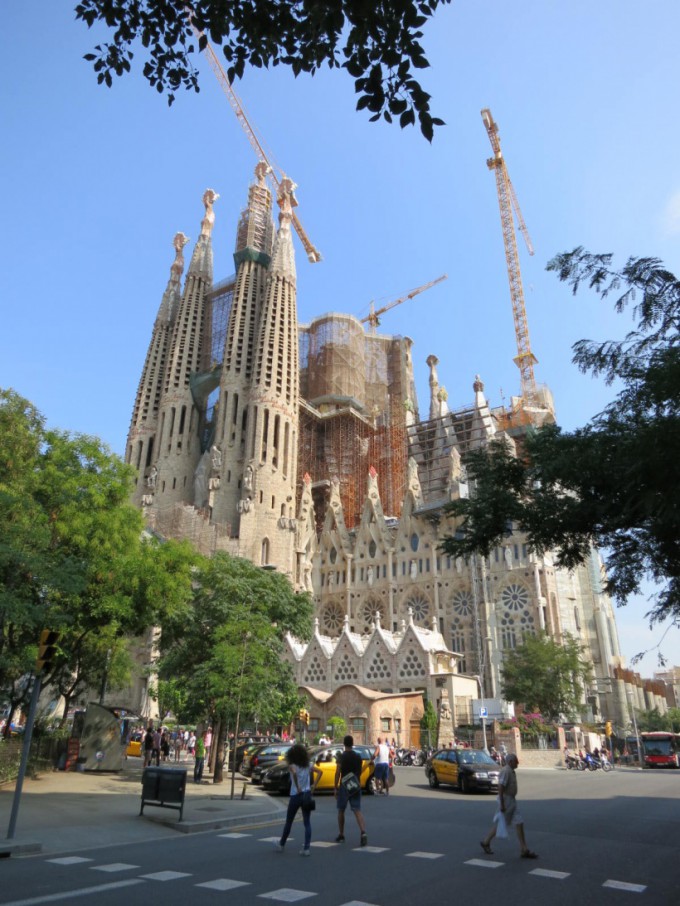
{"x": 305, "y": 852}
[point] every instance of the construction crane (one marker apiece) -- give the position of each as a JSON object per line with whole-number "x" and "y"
{"x": 313, "y": 254}
{"x": 507, "y": 201}
{"x": 373, "y": 317}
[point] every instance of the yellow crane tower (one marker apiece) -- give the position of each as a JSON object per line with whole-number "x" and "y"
{"x": 507, "y": 201}
{"x": 373, "y": 317}
{"x": 313, "y": 254}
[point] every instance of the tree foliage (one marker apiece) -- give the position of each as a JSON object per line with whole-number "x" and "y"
{"x": 614, "y": 483}
{"x": 546, "y": 676}
{"x": 377, "y": 42}
{"x": 224, "y": 650}
{"x": 72, "y": 554}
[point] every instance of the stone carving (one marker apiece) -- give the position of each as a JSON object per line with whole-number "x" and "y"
{"x": 216, "y": 455}
{"x": 147, "y": 499}
{"x": 507, "y": 556}
{"x": 243, "y": 506}
{"x": 369, "y": 575}
{"x": 209, "y": 199}
{"x": 177, "y": 268}
{"x": 248, "y": 478}
{"x": 413, "y": 570}
{"x": 152, "y": 478}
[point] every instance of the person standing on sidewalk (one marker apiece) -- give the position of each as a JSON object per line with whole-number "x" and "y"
{"x": 349, "y": 762}
{"x": 381, "y": 756}
{"x": 200, "y": 759}
{"x": 507, "y": 808}
{"x": 303, "y": 782}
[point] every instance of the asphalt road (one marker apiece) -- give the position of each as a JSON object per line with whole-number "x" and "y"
{"x": 605, "y": 839}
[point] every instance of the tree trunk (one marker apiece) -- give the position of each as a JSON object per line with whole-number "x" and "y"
{"x": 64, "y": 717}
{"x": 220, "y": 736}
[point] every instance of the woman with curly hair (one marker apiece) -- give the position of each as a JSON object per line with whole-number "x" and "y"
{"x": 303, "y": 781}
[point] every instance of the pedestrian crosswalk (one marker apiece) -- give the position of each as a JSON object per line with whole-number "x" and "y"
{"x": 288, "y": 894}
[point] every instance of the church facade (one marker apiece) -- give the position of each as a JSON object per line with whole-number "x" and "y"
{"x": 301, "y": 448}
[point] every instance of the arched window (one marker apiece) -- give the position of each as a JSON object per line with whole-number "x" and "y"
{"x": 265, "y": 551}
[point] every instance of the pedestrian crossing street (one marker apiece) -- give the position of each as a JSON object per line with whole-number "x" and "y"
{"x": 284, "y": 894}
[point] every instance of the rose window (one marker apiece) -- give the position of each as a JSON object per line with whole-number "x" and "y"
{"x": 515, "y": 597}
{"x": 463, "y": 603}
{"x": 420, "y": 607}
{"x": 369, "y": 612}
{"x": 332, "y": 618}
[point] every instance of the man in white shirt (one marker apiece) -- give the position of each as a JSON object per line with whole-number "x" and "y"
{"x": 381, "y": 756}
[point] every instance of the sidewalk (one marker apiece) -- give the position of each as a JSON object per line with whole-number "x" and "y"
{"x": 65, "y": 812}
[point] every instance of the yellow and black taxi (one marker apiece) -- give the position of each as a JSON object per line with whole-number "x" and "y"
{"x": 468, "y": 770}
{"x": 277, "y": 778}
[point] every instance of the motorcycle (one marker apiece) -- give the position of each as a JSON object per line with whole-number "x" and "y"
{"x": 596, "y": 764}
{"x": 574, "y": 763}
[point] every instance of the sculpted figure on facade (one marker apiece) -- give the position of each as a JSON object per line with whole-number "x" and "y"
{"x": 153, "y": 476}
{"x": 248, "y": 478}
{"x": 209, "y": 199}
{"x": 216, "y": 455}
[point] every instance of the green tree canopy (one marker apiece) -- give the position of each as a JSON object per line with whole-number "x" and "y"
{"x": 546, "y": 676}
{"x": 377, "y": 42}
{"x": 614, "y": 483}
{"x": 225, "y": 650}
{"x": 73, "y": 557}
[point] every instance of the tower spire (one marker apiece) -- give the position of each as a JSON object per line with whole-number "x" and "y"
{"x": 180, "y": 418}
{"x": 144, "y": 424}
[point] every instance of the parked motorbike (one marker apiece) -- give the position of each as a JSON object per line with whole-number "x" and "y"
{"x": 596, "y": 764}
{"x": 574, "y": 763}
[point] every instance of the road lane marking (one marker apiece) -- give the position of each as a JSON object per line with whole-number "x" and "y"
{"x": 484, "y": 863}
{"x": 69, "y": 894}
{"x": 113, "y": 866}
{"x": 419, "y": 855}
{"x": 166, "y": 875}
{"x": 223, "y": 884}
{"x": 234, "y": 836}
{"x": 69, "y": 860}
{"x": 287, "y": 895}
{"x": 624, "y": 885}
{"x": 547, "y": 873}
{"x": 371, "y": 849}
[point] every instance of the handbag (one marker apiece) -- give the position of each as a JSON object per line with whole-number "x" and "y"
{"x": 351, "y": 784}
{"x": 308, "y": 802}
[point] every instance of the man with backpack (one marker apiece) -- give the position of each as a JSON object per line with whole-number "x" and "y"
{"x": 348, "y": 789}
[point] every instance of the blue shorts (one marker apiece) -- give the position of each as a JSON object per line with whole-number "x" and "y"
{"x": 344, "y": 800}
{"x": 382, "y": 771}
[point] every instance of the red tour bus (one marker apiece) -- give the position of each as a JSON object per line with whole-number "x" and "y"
{"x": 661, "y": 750}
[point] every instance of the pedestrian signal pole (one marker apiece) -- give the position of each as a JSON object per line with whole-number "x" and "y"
{"x": 46, "y": 653}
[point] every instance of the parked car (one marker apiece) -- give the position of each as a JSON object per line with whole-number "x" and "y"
{"x": 466, "y": 769}
{"x": 267, "y": 754}
{"x": 276, "y": 779}
{"x": 245, "y": 747}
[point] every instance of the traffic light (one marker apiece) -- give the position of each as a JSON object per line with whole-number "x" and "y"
{"x": 608, "y": 729}
{"x": 303, "y": 716}
{"x": 47, "y": 650}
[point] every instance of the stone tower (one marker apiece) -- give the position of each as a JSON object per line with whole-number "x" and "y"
{"x": 175, "y": 470}
{"x": 254, "y": 241}
{"x": 141, "y": 446}
{"x": 267, "y": 507}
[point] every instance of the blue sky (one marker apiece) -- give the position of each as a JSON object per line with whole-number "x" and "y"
{"x": 95, "y": 182}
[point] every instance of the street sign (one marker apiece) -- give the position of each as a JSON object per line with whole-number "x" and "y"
{"x": 483, "y": 712}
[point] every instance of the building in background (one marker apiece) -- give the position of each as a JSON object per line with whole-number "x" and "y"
{"x": 301, "y": 448}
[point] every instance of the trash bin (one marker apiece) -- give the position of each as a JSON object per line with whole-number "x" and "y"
{"x": 164, "y": 788}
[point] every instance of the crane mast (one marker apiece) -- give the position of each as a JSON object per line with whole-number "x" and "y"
{"x": 507, "y": 201}
{"x": 373, "y": 317}
{"x": 313, "y": 254}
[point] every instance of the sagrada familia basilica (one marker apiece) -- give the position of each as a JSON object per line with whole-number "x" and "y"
{"x": 302, "y": 448}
